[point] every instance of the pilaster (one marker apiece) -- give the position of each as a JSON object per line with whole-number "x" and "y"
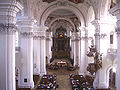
{"x": 7, "y": 47}
{"x": 36, "y": 51}
{"x": 118, "y": 60}
{"x": 48, "y": 46}
{"x": 43, "y": 49}
{"x": 26, "y": 44}
{"x": 73, "y": 45}
{"x": 83, "y": 38}
{"x": 115, "y": 11}
{"x": 96, "y": 23}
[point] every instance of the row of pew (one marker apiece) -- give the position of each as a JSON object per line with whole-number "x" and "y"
{"x": 80, "y": 82}
{"x": 48, "y": 82}
{"x": 58, "y": 66}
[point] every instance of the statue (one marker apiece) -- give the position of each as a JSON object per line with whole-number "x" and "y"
{"x": 91, "y": 51}
{"x": 94, "y": 67}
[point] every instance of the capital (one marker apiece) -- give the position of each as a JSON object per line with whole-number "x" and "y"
{"x": 115, "y": 11}
{"x": 96, "y": 23}
{"x": 43, "y": 28}
{"x": 12, "y": 7}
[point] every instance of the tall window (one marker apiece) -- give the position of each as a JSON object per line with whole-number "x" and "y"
{"x": 111, "y": 39}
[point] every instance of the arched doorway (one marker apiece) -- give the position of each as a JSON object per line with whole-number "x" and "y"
{"x": 112, "y": 78}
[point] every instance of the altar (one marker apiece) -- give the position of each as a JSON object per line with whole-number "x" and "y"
{"x": 61, "y": 44}
{"x": 62, "y": 64}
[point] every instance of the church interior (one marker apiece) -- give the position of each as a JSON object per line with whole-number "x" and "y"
{"x": 59, "y": 44}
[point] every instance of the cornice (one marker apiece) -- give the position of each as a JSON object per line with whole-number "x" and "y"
{"x": 115, "y": 10}
{"x": 13, "y": 6}
{"x": 26, "y": 34}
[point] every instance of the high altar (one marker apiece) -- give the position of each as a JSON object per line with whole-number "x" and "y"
{"x": 61, "y": 45}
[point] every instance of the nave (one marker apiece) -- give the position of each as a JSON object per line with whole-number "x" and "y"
{"x": 86, "y": 32}
{"x": 63, "y": 77}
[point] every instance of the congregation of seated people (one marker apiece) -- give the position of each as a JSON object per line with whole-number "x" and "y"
{"x": 80, "y": 82}
{"x": 48, "y": 82}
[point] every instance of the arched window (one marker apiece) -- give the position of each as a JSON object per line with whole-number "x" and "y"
{"x": 111, "y": 38}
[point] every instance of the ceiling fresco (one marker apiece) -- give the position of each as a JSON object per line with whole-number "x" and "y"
{"x": 74, "y": 1}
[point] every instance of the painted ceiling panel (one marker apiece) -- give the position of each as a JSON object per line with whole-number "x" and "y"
{"x": 74, "y": 1}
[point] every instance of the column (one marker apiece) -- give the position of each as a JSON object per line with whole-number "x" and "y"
{"x": 77, "y": 51}
{"x": 79, "y": 48}
{"x": 73, "y": 52}
{"x": 86, "y": 48}
{"x": 97, "y": 45}
{"x": 115, "y": 11}
{"x": 48, "y": 46}
{"x": 7, "y": 46}
{"x": 97, "y": 34}
{"x": 72, "y": 46}
{"x": 82, "y": 63}
{"x": 26, "y": 47}
{"x": 36, "y": 51}
{"x": 42, "y": 50}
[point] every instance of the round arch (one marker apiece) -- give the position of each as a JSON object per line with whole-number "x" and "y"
{"x": 108, "y": 68}
{"x": 104, "y": 7}
{"x": 66, "y": 25}
{"x": 63, "y": 19}
{"x": 90, "y": 15}
{"x": 54, "y": 6}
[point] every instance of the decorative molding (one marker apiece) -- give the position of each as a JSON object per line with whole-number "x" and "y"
{"x": 62, "y": 3}
{"x": 97, "y": 35}
{"x": 39, "y": 35}
{"x": 102, "y": 36}
{"x": 73, "y": 1}
{"x": 112, "y": 51}
{"x": 77, "y": 39}
{"x": 84, "y": 38}
{"x": 96, "y": 23}
{"x": 42, "y": 37}
{"x": 115, "y": 10}
{"x": 7, "y": 28}
{"x": 27, "y": 34}
{"x": 36, "y": 37}
{"x": 48, "y": 38}
{"x": 12, "y": 7}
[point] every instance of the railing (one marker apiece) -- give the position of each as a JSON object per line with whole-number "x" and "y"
{"x": 112, "y": 54}
{"x": 112, "y": 51}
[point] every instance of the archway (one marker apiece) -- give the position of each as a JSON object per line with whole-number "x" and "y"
{"x": 111, "y": 76}
{"x": 54, "y": 6}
